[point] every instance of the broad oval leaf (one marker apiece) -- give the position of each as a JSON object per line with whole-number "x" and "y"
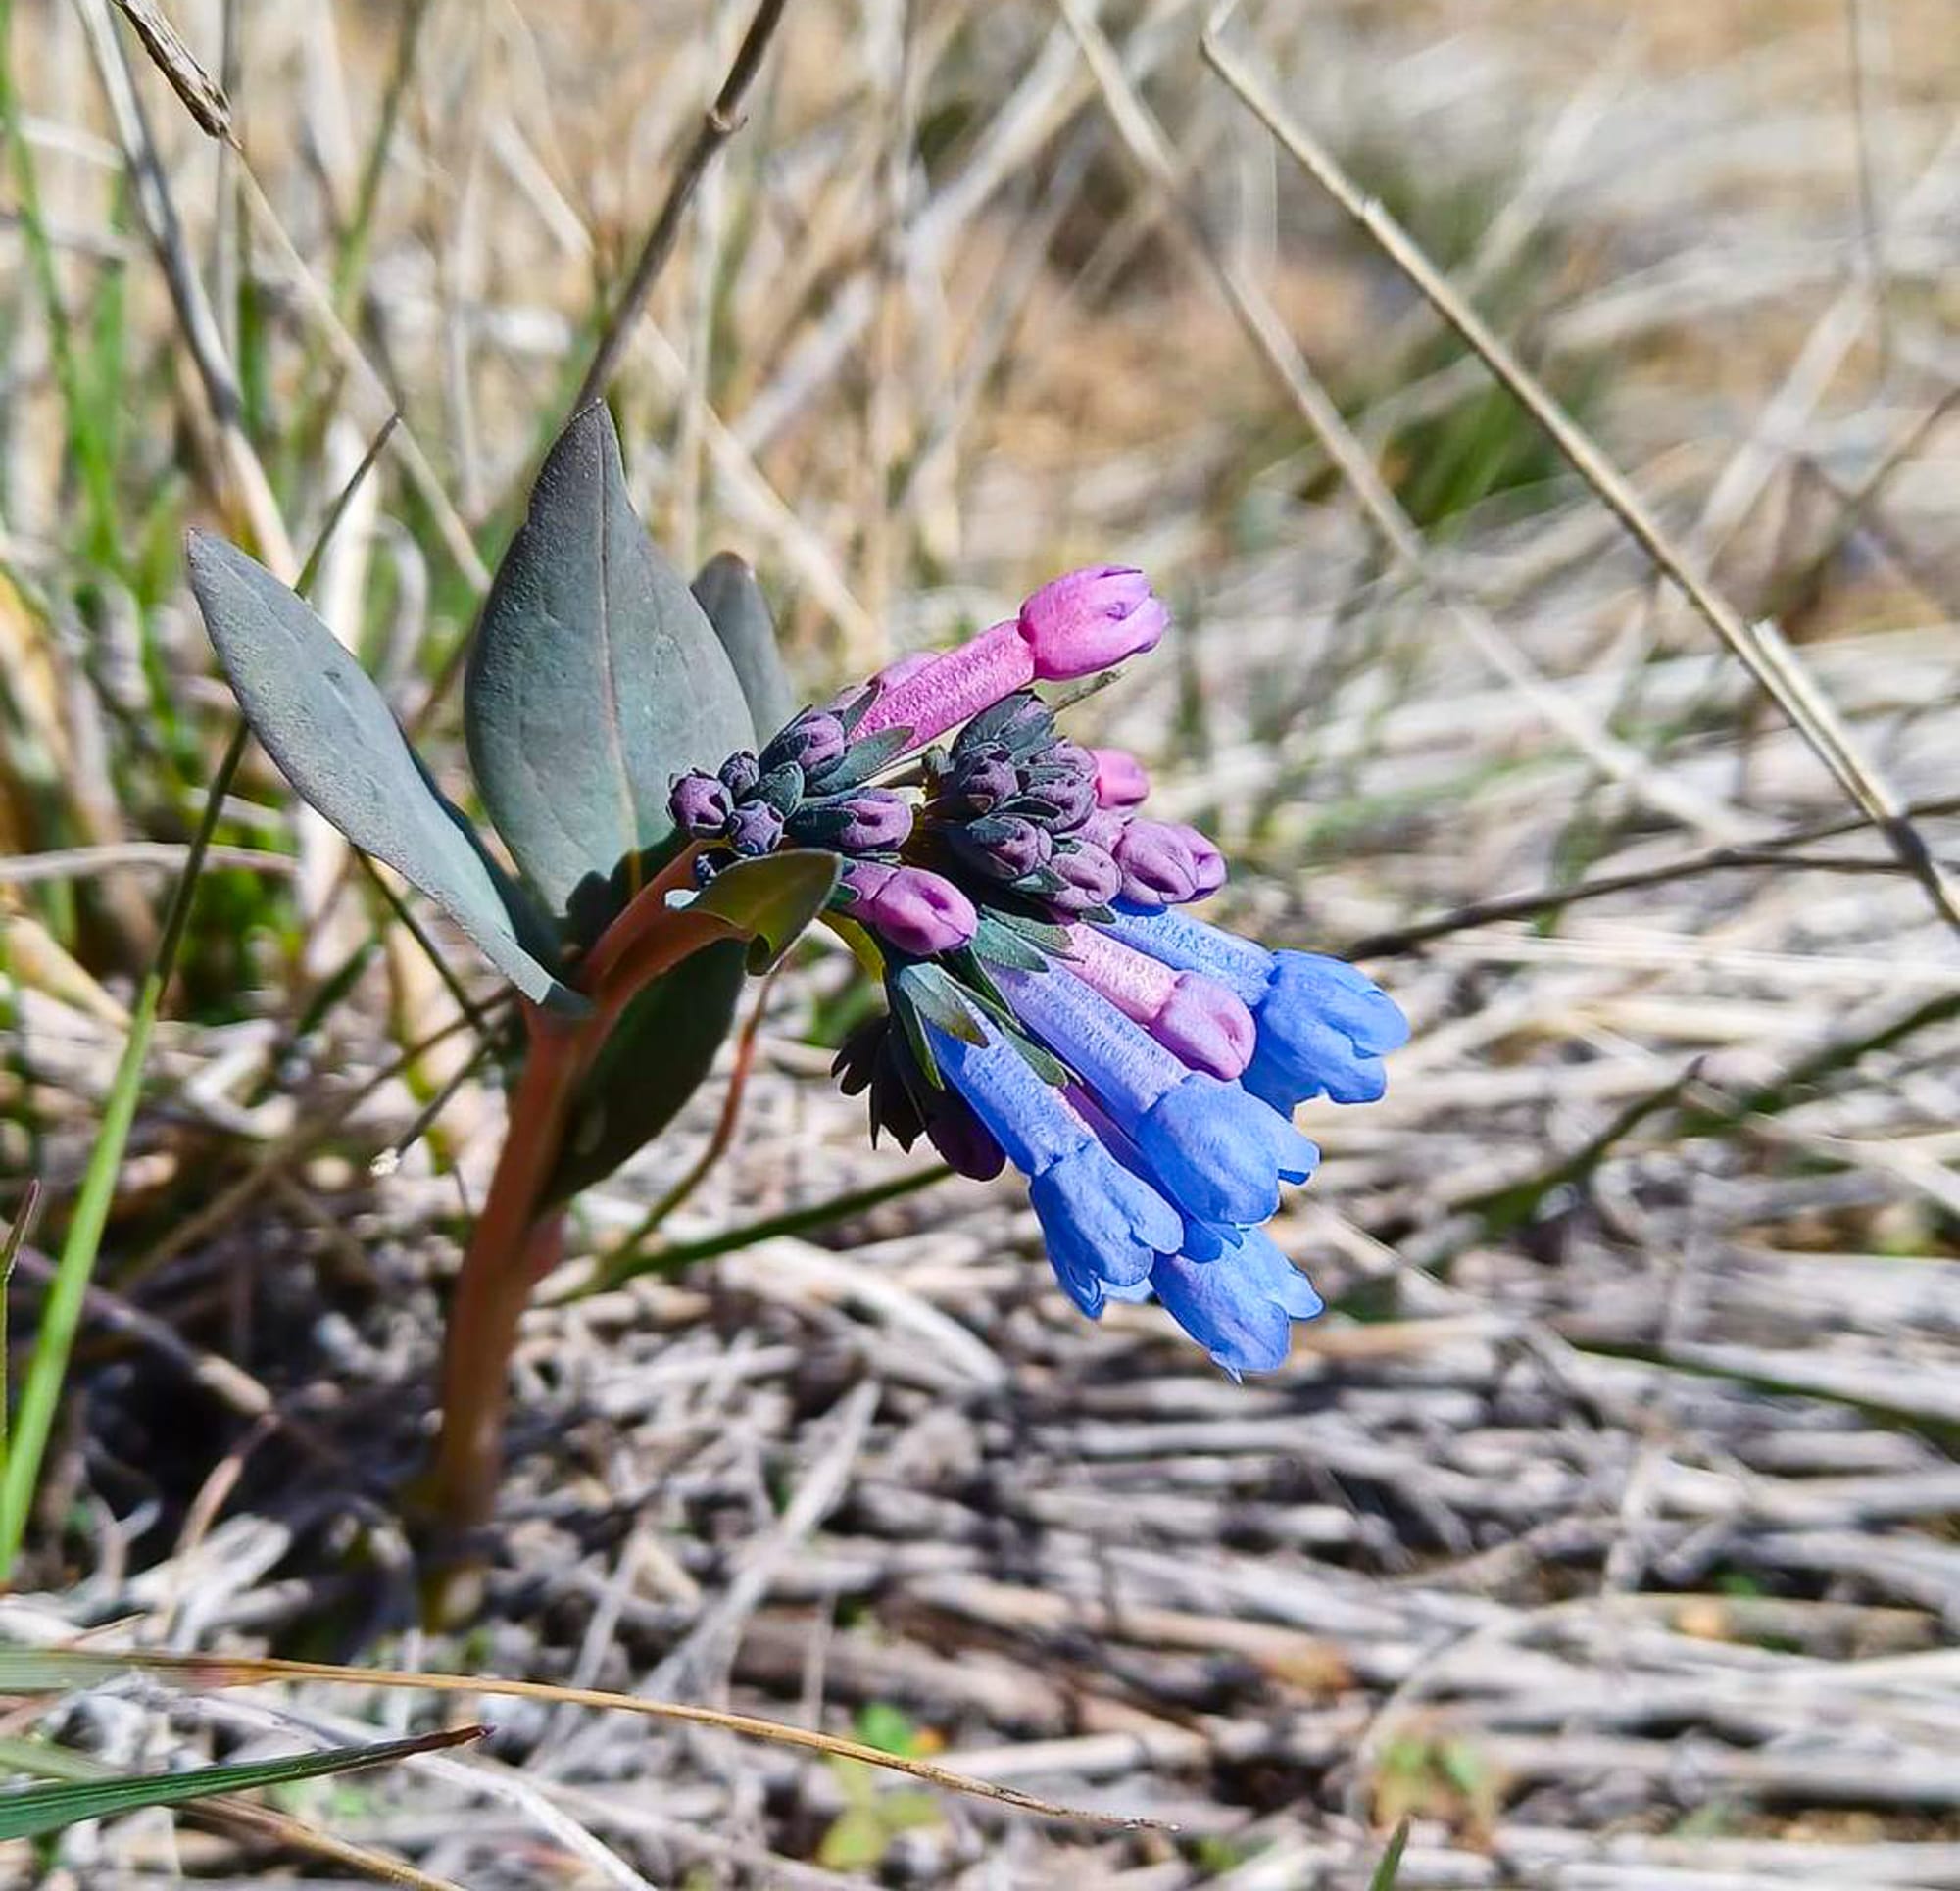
{"x": 334, "y": 738}
{"x": 654, "y": 1060}
{"x": 595, "y": 677}
{"x": 729, "y": 593}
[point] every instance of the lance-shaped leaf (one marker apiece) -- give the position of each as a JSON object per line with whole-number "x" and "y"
{"x": 727, "y": 591}
{"x": 663, "y": 1044}
{"x": 595, "y": 679}
{"x": 334, "y": 738}
{"x": 654, "y": 1058}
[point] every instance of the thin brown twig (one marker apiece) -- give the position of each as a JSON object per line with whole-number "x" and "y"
{"x": 720, "y": 123}
{"x": 1776, "y": 851}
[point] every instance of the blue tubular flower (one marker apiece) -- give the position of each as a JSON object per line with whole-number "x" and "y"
{"x": 1323, "y": 1027}
{"x": 1105, "y": 1228}
{"x": 1220, "y": 1153}
{"x": 1240, "y": 1305}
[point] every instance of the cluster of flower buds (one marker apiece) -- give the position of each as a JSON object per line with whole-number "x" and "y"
{"x": 1046, "y": 1006}
{"x": 808, "y": 788}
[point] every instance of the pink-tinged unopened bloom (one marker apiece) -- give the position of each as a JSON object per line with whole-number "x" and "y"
{"x": 917, "y": 911}
{"x": 1158, "y": 867}
{"x": 1090, "y": 620}
{"x": 1207, "y": 864}
{"x": 1090, "y": 878}
{"x": 1199, "y": 1020}
{"x": 1120, "y": 780}
{"x": 1072, "y": 627}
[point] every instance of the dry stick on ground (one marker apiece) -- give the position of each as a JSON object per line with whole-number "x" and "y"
{"x": 1772, "y": 850}
{"x": 722, "y": 120}
{"x": 1615, "y": 759}
{"x": 1759, "y": 648}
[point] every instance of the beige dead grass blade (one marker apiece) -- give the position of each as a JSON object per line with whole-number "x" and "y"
{"x": 1760, "y": 649}
{"x": 203, "y": 97}
{"x": 1149, "y": 150}
{"x": 33, "y": 1670}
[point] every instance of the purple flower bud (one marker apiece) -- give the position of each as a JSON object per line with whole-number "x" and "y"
{"x": 876, "y": 820}
{"x": 815, "y": 742}
{"x": 1070, "y": 759}
{"x": 1158, "y": 867}
{"x": 1002, "y": 845}
{"x": 1120, "y": 780}
{"x": 966, "y": 1142}
{"x": 1207, "y": 864}
{"x": 1092, "y": 877}
{"x": 1090, "y": 620}
{"x": 1072, "y": 796}
{"x": 740, "y": 773}
{"x": 699, "y": 806}
{"x": 754, "y": 829}
{"x": 1103, "y": 828}
{"x": 983, "y": 781}
{"x": 918, "y": 911}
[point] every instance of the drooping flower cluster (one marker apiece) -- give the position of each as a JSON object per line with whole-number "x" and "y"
{"x": 1048, "y": 1006}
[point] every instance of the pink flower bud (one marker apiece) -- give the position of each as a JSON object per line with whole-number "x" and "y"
{"x": 1120, "y": 780}
{"x": 915, "y": 910}
{"x": 1205, "y": 1025}
{"x": 1206, "y": 863}
{"x": 1090, "y": 620}
{"x": 1158, "y": 867}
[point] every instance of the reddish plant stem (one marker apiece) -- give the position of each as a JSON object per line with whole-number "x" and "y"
{"x": 512, "y": 1244}
{"x": 516, "y": 1242}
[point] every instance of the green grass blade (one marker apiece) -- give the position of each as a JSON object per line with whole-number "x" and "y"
{"x": 61, "y": 1312}
{"x": 1390, "y": 1867}
{"x": 47, "y": 1808}
{"x": 20, "y": 1453}
{"x": 627, "y": 1263}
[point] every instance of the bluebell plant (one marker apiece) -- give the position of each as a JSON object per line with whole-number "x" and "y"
{"x": 1049, "y": 1002}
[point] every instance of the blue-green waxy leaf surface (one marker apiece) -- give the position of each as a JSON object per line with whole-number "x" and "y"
{"x": 773, "y": 899}
{"x": 729, "y": 593}
{"x": 323, "y": 722}
{"x": 663, "y": 1044}
{"x": 654, "y": 1060}
{"x": 595, "y": 679}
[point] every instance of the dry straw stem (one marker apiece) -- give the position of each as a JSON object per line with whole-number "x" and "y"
{"x": 203, "y": 97}
{"x": 1760, "y": 648}
{"x": 36, "y": 1671}
{"x": 1147, "y": 144}
{"x": 157, "y": 210}
{"x": 721, "y": 122}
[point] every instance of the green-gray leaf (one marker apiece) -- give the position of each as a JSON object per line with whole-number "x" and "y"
{"x": 47, "y": 1808}
{"x": 595, "y": 678}
{"x": 735, "y": 605}
{"x": 334, "y": 738}
{"x": 654, "y": 1060}
{"x": 772, "y": 898}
